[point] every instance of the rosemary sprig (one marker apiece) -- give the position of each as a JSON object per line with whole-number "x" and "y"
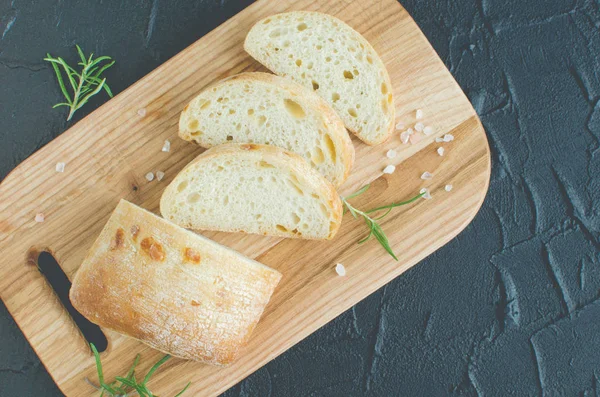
{"x": 84, "y": 84}
{"x": 128, "y": 385}
{"x": 374, "y": 227}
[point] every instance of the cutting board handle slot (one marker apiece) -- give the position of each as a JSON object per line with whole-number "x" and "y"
{"x": 61, "y": 285}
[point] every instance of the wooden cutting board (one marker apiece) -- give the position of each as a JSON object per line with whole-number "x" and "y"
{"x": 108, "y": 153}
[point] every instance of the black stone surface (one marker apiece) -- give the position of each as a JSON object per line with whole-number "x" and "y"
{"x": 509, "y": 307}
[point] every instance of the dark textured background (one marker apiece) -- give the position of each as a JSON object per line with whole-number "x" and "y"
{"x": 511, "y": 306}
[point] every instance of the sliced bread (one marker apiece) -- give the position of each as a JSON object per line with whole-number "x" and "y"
{"x": 324, "y": 54}
{"x": 253, "y": 188}
{"x": 264, "y": 108}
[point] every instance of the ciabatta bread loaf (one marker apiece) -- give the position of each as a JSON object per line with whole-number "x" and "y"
{"x": 324, "y": 54}
{"x": 171, "y": 288}
{"x": 254, "y": 189}
{"x": 264, "y": 108}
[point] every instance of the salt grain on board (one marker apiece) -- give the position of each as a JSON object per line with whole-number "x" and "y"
{"x": 60, "y": 167}
{"x": 440, "y": 151}
{"x": 150, "y": 176}
{"x": 389, "y": 169}
{"x": 428, "y": 130}
{"x": 438, "y": 139}
{"x": 166, "y": 146}
{"x": 391, "y": 154}
{"x": 404, "y": 137}
{"x": 142, "y": 112}
{"x": 419, "y": 126}
{"x": 415, "y": 138}
{"x": 448, "y": 188}
{"x": 340, "y": 270}
{"x": 400, "y": 126}
{"x": 426, "y": 175}
{"x": 419, "y": 114}
{"x": 160, "y": 175}
{"x": 426, "y": 194}
{"x": 39, "y": 217}
{"x": 448, "y": 138}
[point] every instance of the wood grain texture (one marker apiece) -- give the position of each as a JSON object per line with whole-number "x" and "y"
{"x": 109, "y": 152}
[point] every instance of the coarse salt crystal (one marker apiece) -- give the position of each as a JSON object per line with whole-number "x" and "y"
{"x": 448, "y": 138}
{"x": 440, "y": 151}
{"x": 150, "y": 176}
{"x": 160, "y": 175}
{"x": 166, "y": 146}
{"x": 60, "y": 167}
{"x": 415, "y": 138}
{"x": 425, "y": 193}
{"x": 448, "y": 188}
{"x": 428, "y": 130}
{"x": 400, "y": 126}
{"x": 142, "y": 112}
{"x": 391, "y": 154}
{"x": 439, "y": 139}
{"x": 404, "y": 137}
{"x": 40, "y": 217}
{"x": 419, "y": 114}
{"x": 419, "y": 126}
{"x": 389, "y": 169}
{"x": 410, "y": 131}
{"x": 340, "y": 270}
{"x": 426, "y": 175}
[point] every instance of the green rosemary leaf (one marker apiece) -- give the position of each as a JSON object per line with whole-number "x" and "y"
{"x": 154, "y": 368}
{"x": 383, "y": 240}
{"x": 61, "y": 104}
{"x": 351, "y": 210}
{"x": 98, "y": 363}
{"x": 91, "y": 94}
{"x": 384, "y": 214}
{"x": 184, "y": 389}
{"x": 71, "y": 73}
{"x": 393, "y": 205}
{"x": 131, "y": 371}
{"x": 80, "y": 52}
{"x": 358, "y": 192}
{"x": 364, "y": 240}
{"x": 61, "y": 83}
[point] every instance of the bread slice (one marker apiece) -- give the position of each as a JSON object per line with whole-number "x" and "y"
{"x": 174, "y": 290}
{"x": 267, "y": 109}
{"x": 253, "y": 189}
{"x": 324, "y": 54}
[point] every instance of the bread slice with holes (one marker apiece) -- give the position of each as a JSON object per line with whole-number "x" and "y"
{"x": 324, "y": 54}
{"x": 174, "y": 290}
{"x": 253, "y": 188}
{"x": 264, "y": 108}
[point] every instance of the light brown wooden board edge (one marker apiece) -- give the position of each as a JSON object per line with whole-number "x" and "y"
{"x": 474, "y": 127}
